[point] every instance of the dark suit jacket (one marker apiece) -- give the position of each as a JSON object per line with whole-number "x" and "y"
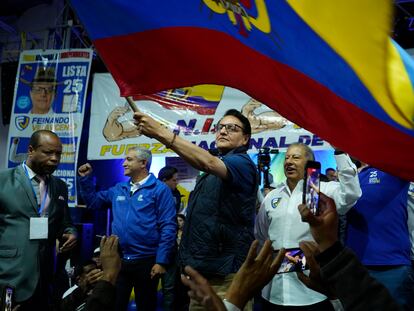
{"x": 21, "y": 259}
{"x": 102, "y": 298}
{"x": 350, "y": 281}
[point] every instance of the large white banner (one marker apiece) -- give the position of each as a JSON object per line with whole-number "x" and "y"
{"x": 50, "y": 94}
{"x": 192, "y": 112}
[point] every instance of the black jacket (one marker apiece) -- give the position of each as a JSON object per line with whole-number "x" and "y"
{"x": 351, "y": 282}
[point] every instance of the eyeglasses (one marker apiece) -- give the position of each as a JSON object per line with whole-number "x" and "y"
{"x": 230, "y": 127}
{"x": 39, "y": 90}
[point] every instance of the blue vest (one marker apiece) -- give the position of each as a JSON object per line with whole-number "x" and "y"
{"x": 219, "y": 224}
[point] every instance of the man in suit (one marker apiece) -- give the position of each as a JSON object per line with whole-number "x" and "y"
{"x": 33, "y": 214}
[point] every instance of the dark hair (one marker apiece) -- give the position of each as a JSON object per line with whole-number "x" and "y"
{"x": 79, "y": 268}
{"x": 323, "y": 178}
{"x": 35, "y": 138}
{"x": 182, "y": 216}
{"x": 357, "y": 162}
{"x": 247, "y": 129}
{"x": 329, "y": 169}
{"x": 167, "y": 172}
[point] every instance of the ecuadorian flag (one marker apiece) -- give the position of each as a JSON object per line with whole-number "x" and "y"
{"x": 329, "y": 66}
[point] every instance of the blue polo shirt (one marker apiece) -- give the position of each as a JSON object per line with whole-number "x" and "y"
{"x": 377, "y": 225}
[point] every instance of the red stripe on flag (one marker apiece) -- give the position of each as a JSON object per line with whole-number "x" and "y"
{"x": 147, "y": 62}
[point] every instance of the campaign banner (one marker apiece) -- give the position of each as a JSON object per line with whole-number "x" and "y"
{"x": 192, "y": 112}
{"x": 50, "y": 93}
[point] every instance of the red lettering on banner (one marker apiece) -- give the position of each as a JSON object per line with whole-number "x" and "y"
{"x": 78, "y": 54}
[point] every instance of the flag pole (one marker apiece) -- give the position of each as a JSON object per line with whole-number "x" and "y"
{"x": 132, "y": 104}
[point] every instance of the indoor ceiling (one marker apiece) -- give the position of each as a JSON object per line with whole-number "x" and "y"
{"x": 17, "y": 7}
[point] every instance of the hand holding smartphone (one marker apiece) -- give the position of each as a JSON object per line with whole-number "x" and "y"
{"x": 311, "y": 185}
{"x": 293, "y": 261}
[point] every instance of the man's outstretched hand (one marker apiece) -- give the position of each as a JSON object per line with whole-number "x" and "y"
{"x": 256, "y": 271}
{"x": 110, "y": 260}
{"x": 314, "y": 280}
{"x": 201, "y": 291}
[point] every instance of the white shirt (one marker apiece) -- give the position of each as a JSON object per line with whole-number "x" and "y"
{"x": 29, "y": 171}
{"x": 69, "y": 291}
{"x": 336, "y": 304}
{"x": 229, "y": 306}
{"x": 49, "y": 112}
{"x": 279, "y": 220}
{"x": 135, "y": 186}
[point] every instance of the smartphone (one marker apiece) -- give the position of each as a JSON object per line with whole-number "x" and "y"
{"x": 293, "y": 261}
{"x": 311, "y": 185}
{"x": 7, "y": 298}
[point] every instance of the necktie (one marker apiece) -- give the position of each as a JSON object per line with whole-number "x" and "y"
{"x": 44, "y": 195}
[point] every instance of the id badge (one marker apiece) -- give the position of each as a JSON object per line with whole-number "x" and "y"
{"x": 38, "y": 228}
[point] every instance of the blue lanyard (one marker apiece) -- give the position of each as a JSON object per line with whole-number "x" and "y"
{"x": 43, "y": 201}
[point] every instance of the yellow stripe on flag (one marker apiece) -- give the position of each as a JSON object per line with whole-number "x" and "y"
{"x": 359, "y": 32}
{"x": 399, "y": 82}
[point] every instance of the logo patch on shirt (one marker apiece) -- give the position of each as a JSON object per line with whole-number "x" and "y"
{"x": 120, "y": 198}
{"x": 411, "y": 190}
{"x": 373, "y": 178}
{"x": 275, "y": 202}
{"x": 61, "y": 198}
{"x": 140, "y": 199}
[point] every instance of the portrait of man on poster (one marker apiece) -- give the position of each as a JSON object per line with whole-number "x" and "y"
{"x": 42, "y": 90}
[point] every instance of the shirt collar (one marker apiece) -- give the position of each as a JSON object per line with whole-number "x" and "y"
{"x": 286, "y": 186}
{"x": 49, "y": 112}
{"x": 364, "y": 167}
{"x": 139, "y": 183}
{"x": 29, "y": 171}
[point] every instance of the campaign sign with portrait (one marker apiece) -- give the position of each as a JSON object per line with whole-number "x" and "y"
{"x": 50, "y": 93}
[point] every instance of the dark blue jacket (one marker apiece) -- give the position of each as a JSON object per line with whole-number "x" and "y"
{"x": 144, "y": 222}
{"x": 220, "y": 218}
